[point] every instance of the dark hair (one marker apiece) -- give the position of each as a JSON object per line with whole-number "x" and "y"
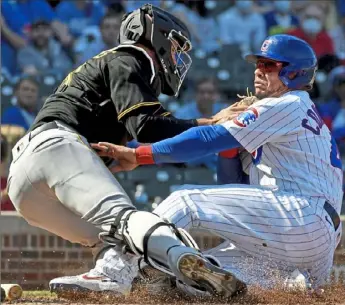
{"x": 199, "y": 5}
{"x": 31, "y": 79}
{"x": 328, "y": 62}
{"x": 115, "y": 8}
{"x": 39, "y": 23}
{"x": 110, "y": 14}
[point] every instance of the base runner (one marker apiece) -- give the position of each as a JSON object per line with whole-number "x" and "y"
{"x": 288, "y": 217}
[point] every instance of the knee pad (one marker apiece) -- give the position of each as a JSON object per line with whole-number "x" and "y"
{"x": 135, "y": 228}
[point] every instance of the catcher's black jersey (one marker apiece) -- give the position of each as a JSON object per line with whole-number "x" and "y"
{"x": 110, "y": 96}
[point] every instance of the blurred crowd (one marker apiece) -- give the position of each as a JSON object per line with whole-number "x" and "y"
{"x": 43, "y": 40}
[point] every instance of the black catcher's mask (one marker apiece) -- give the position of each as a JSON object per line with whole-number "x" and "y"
{"x": 167, "y": 36}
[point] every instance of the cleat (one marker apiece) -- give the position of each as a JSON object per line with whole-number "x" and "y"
{"x": 84, "y": 283}
{"x": 191, "y": 268}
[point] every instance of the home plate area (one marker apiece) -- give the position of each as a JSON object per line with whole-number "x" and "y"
{"x": 331, "y": 295}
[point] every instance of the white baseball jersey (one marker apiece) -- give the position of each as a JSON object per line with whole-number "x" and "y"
{"x": 278, "y": 223}
{"x": 291, "y": 147}
{"x": 269, "y": 231}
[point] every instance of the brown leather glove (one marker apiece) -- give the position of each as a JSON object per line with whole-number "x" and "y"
{"x": 235, "y": 109}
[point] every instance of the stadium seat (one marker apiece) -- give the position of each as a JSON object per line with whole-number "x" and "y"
{"x": 155, "y": 188}
{"x": 48, "y": 84}
{"x": 129, "y": 188}
{"x": 219, "y": 7}
{"x": 12, "y": 133}
{"x": 201, "y": 176}
{"x": 142, "y": 174}
{"x": 230, "y": 53}
{"x": 240, "y": 72}
{"x": 169, "y": 174}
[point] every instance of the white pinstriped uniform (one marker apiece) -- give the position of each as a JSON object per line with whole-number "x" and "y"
{"x": 278, "y": 222}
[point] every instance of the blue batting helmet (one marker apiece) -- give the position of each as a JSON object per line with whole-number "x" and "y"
{"x": 296, "y": 55}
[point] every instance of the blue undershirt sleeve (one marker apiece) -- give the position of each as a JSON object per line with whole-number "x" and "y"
{"x": 194, "y": 143}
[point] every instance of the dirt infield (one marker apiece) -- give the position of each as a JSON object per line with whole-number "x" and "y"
{"x": 332, "y": 295}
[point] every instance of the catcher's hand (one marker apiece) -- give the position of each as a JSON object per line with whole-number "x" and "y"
{"x": 235, "y": 109}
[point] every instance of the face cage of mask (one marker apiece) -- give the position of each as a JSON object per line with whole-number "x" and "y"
{"x": 182, "y": 60}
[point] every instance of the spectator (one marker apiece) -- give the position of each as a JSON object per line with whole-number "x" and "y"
{"x": 205, "y": 105}
{"x": 109, "y": 28}
{"x": 327, "y": 63}
{"x": 333, "y": 112}
{"x": 11, "y": 41}
{"x": 243, "y": 26}
{"x": 280, "y": 20}
{"x": 312, "y": 31}
{"x": 43, "y": 54}
{"x": 115, "y": 6}
{"x": 203, "y": 28}
{"x": 338, "y": 36}
{"x": 6, "y": 204}
{"x": 263, "y": 6}
{"x": 23, "y": 114}
{"x": 17, "y": 17}
{"x": 80, "y": 14}
{"x": 340, "y": 5}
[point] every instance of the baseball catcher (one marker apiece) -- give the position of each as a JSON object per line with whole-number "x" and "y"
{"x": 58, "y": 183}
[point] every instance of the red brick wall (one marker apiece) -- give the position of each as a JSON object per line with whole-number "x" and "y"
{"x": 32, "y": 260}
{"x": 32, "y": 257}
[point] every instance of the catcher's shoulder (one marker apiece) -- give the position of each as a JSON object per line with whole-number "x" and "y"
{"x": 130, "y": 59}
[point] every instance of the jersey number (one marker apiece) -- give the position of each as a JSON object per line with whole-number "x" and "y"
{"x": 315, "y": 116}
{"x": 335, "y": 155}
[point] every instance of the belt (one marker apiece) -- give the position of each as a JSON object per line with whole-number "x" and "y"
{"x": 332, "y": 214}
{"x": 45, "y": 127}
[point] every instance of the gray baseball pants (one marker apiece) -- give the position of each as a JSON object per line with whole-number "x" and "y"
{"x": 57, "y": 183}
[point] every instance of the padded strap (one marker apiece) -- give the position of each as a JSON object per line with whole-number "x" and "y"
{"x": 114, "y": 226}
{"x": 148, "y": 235}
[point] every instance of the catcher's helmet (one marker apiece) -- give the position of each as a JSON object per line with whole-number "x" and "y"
{"x": 167, "y": 36}
{"x": 296, "y": 55}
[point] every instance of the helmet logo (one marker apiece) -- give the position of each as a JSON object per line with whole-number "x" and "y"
{"x": 266, "y": 45}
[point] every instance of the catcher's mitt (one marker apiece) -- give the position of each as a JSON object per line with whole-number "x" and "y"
{"x": 248, "y": 100}
{"x": 235, "y": 109}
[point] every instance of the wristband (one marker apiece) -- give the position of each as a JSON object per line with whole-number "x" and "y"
{"x": 144, "y": 155}
{"x": 230, "y": 153}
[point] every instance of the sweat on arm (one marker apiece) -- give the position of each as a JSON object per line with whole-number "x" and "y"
{"x": 137, "y": 104}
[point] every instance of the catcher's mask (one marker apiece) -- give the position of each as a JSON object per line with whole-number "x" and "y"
{"x": 167, "y": 36}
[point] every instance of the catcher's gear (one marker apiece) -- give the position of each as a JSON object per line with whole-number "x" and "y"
{"x": 232, "y": 111}
{"x": 163, "y": 247}
{"x": 248, "y": 100}
{"x": 169, "y": 38}
{"x": 298, "y": 58}
{"x": 136, "y": 241}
